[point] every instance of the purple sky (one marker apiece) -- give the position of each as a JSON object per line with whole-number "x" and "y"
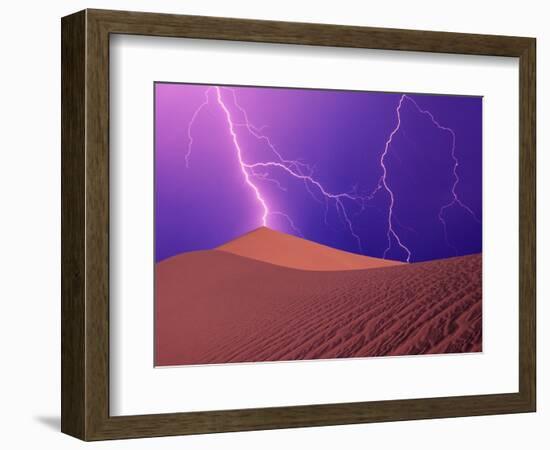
{"x": 312, "y": 162}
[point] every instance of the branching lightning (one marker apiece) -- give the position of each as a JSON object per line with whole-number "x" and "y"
{"x": 253, "y": 172}
{"x": 244, "y": 166}
{"x": 455, "y": 199}
{"x": 191, "y": 123}
{"x": 383, "y": 184}
{"x": 292, "y": 168}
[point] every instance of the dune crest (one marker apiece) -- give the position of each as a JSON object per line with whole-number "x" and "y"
{"x": 274, "y": 247}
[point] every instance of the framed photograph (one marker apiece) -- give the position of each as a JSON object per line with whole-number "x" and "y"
{"x": 273, "y": 225}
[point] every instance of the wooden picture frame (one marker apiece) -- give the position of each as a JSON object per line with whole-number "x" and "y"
{"x": 85, "y": 224}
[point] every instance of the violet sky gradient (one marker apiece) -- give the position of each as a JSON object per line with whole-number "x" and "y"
{"x": 340, "y": 136}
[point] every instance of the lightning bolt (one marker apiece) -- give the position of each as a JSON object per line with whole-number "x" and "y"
{"x": 190, "y": 126}
{"x": 257, "y": 193}
{"x": 257, "y": 133}
{"x": 455, "y": 200}
{"x": 303, "y": 172}
{"x": 299, "y": 166}
{"x": 338, "y": 198}
{"x": 383, "y": 184}
{"x": 293, "y": 168}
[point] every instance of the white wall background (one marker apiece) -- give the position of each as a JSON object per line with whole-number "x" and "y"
{"x": 30, "y": 225}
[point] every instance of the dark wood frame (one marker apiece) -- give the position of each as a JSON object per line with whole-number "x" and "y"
{"x": 85, "y": 224}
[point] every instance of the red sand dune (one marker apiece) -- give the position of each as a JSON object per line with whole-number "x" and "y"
{"x": 218, "y": 307}
{"x": 264, "y": 244}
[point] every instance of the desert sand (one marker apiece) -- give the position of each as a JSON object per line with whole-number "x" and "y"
{"x": 219, "y": 307}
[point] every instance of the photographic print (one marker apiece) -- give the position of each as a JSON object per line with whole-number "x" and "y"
{"x": 303, "y": 224}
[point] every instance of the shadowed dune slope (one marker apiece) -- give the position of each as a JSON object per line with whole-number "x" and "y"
{"x": 264, "y": 244}
{"x": 217, "y": 307}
